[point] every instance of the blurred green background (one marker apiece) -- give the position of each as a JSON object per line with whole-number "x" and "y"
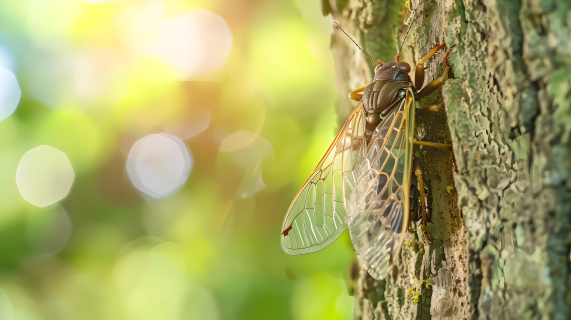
{"x": 188, "y": 127}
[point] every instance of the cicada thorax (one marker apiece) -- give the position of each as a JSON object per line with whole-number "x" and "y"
{"x": 388, "y": 88}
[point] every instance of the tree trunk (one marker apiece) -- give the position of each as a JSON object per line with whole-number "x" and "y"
{"x": 501, "y": 200}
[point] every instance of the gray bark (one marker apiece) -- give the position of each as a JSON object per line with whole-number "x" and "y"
{"x": 501, "y": 239}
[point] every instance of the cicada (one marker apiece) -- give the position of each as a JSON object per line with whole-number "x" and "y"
{"x": 364, "y": 180}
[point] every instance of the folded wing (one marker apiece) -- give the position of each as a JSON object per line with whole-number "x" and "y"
{"x": 378, "y": 209}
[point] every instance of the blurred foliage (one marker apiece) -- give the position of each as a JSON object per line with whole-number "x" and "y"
{"x": 209, "y": 251}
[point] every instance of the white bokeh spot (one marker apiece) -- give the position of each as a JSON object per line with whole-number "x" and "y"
{"x": 44, "y": 176}
{"x": 10, "y": 93}
{"x": 159, "y": 164}
{"x": 195, "y": 44}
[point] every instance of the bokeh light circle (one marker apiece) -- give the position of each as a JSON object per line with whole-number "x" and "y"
{"x": 48, "y": 231}
{"x": 44, "y": 176}
{"x": 159, "y": 164}
{"x": 195, "y": 44}
{"x": 10, "y": 93}
{"x": 237, "y": 141}
{"x": 190, "y": 127}
{"x": 252, "y": 153}
{"x": 50, "y": 73}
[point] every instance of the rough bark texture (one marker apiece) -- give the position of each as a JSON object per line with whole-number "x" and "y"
{"x": 501, "y": 212}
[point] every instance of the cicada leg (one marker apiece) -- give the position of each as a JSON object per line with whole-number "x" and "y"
{"x": 419, "y": 172}
{"x": 419, "y": 73}
{"x": 414, "y": 200}
{"x": 357, "y": 94}
{"x": 428, "y": 110}
{"x": 436, "y": 83}
{"x": 432, "y": 144}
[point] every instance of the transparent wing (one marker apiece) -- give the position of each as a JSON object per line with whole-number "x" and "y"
{"x": 378, "y": 210}
{"x": 316, "y": 215}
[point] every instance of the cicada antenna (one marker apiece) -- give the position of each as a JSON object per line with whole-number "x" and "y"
{"x": 402, "y": 44}
{"x": 413, "y": 18}
{"x": 378, "y": 60}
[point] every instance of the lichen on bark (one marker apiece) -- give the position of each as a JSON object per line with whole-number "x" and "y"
{"x": 501, "y": 201}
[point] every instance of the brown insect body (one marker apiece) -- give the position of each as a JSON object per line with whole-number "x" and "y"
{"x": 387, "y": 88}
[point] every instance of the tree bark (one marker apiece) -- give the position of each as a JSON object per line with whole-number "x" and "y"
{"x": 501, "y": 201}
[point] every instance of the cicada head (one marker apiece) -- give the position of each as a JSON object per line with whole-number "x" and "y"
{"x": 393, "y": 71}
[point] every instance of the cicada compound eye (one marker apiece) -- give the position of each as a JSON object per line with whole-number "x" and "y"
{"x": 403, "y": 67}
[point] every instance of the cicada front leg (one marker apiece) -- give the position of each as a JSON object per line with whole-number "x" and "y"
{"x": 419, "y": 72}
{"x": 357, "y": 94}
{"x": 436, "y": 83}
{"x": 431, "y": 87}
